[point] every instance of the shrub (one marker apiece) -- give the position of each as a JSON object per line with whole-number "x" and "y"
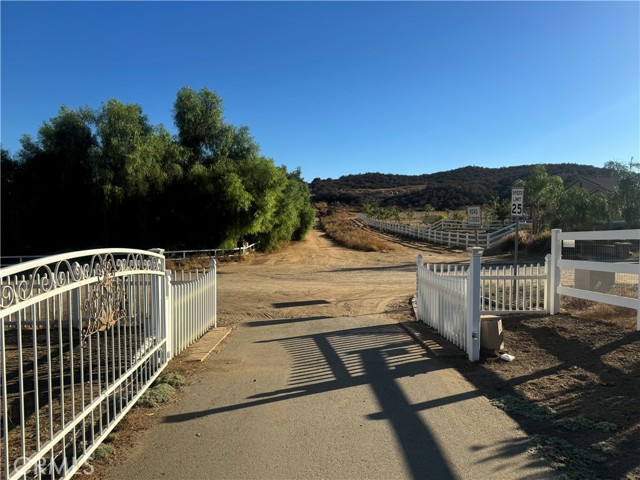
{"x": 156, "y": 395}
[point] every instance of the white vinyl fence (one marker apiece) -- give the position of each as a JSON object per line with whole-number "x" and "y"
{"x": 83, "y": 336}
{"x": 179, "y": 255}
{"x": 193, "y": 307}
{"x": 505, "y": 288}
{"x": 438, "y": 234}
{"x": 598, "y": 266}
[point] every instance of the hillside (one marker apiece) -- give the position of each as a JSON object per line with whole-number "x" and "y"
{"x": 444, "y": 190}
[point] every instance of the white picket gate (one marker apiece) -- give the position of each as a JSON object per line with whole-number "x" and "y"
{"x": 451, "y": 303}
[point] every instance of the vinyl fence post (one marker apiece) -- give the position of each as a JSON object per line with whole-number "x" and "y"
{"x": 547, "y": 283}
{"x": 168, "y": 313}
{"x": 419, "y": 294}
{"x": 638, "y": 311}
{"x": 213, "y": 268}
{"x": 473, "y": 305}
{"x": 553, "y": 275}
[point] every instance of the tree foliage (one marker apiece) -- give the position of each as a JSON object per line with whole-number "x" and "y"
{"x": 106, "y": 176}
{"x": 626, "y": 198}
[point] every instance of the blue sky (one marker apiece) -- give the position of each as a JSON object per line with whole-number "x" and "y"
{"x": 347, "y": 87}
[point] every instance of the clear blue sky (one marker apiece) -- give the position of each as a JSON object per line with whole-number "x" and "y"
{"x": 338, "y": 88}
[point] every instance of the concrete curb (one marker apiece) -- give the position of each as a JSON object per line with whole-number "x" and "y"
{"x": 206, "y": 344}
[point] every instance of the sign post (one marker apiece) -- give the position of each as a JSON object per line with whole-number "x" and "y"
{"x": 517, "y": 209}
{"x": 474, "y": 218}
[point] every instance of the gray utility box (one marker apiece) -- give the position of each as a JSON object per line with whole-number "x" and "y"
{"x": 594, "y": 281}
{"x": 491, "y": 333}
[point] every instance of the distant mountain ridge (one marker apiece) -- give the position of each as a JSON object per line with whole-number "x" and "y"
{"x": 443, "y": 190}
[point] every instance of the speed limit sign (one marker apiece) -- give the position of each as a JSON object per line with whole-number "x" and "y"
{"x": 517, "y": 199}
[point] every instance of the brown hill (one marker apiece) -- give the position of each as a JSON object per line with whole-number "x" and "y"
{"x": 443, "y": 190}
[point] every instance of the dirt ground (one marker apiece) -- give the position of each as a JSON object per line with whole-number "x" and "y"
{"x": 583, "y": 364}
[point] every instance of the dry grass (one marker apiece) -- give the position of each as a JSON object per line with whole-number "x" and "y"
{"x": 340, "y": 226}
{"x": 189, "y": 263}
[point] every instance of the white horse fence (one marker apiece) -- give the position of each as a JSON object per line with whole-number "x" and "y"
{"x": 83, "y": 336}
{"x": 598, "y": 266}
{"x": 449, "y": 232}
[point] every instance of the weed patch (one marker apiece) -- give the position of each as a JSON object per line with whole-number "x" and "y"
{"x": 172, "y": 379}
{"x": 154, "y": 396}
{"x": 571, "y": 461}
{"x": 519, "y": 406}
{"x": 582, "y": 423}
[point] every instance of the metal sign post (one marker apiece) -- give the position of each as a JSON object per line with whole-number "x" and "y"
{"x": 517, "y": 209}
{"x": 474, "y": 217}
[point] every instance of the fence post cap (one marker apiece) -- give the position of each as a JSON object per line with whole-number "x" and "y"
{"x": 420, "y": 260}
{"x": 478, "y": 251}
{"x": 157, "y": 250}
{"x": 212, "y": 263}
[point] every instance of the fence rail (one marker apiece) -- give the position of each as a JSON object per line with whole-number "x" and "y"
{"x": 178, "y": 255}
{"x": 436, "y": 233}
{"x": 83, "y": 336}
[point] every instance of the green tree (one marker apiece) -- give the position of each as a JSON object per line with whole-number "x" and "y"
{"x": 203, "y": 131}
{"x": 625, "y": 200}
{"x": 501, "y": 209}
{"x": 542, "y": 193}
{"x": 581, "y": 210}
{"x": 57, "y": 167}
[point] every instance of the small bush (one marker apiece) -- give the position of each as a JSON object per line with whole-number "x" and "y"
{"x": 154, "y": 396}
{"x": 172, "y": 379}
{"x": 102, "y": 451}
{"x": 534, "y": 243}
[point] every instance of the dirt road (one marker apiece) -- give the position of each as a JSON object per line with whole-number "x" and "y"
{"x": 318, "y": 277}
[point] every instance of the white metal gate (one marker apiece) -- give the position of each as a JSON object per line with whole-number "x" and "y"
{"x": 83, "y": 335}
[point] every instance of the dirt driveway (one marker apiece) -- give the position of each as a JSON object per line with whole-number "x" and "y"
{"x": 318, "y": 277}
